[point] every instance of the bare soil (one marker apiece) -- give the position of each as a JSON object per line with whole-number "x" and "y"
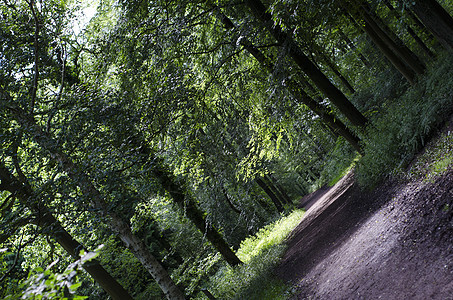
{"x": 393, "y": 243}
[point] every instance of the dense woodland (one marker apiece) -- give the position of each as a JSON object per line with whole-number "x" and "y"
{"x": 167, "y": 132}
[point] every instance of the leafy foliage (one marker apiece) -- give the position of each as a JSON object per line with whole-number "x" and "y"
{"x": 47, "y": 284}
{"x": 260, "y": 253}
{"x": 407, "y": 125}
{"x": 171, "y": 86}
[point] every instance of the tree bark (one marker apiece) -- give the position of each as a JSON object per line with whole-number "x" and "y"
{"x": 335, "y": 70}
{"x": 271, "y": 194}
{"x": 420, "y": 25}
{"x": 354, "y": 48}
{"x": 320, "y": 80}
{"x": 230, "y": 203}
{"x": 280, "y": 189}
{"x": 394, "y": 59}
{"x": 409, "y": 30}
{"x": 98, "y": 203}
{"x": 436, "y": 19}
{"x": 181, "y": 198}
{"x": 46, "y": 220}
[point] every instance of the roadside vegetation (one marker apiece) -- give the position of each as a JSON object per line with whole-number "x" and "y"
{"x": 260, "y": 254}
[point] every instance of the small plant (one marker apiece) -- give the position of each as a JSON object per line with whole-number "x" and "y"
{"x": 436, "y": 159}
{"x": 46, "y": 284}
{"x": 260, "y": 254}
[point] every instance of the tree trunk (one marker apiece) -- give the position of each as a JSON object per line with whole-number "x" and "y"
{"x": 436, "y": 19}
{"x": 299, "y": 94}
{"x": 195, "y": 215}
{"x": 230, "y": 203}
{"x": 391, "y": 40}
{"x": 98, "y": 203}
{"x": 354, "y": 48}
{"x": 335, "y": 70}
{"x": 383, "y": 47}
{"x": 45, "y": 219}
{"x": 263, "y": 203}
{"x": 409, "y": 30}
{"x": 420, "y": 25}
{"x": 280, "y": 189}
{"x": 394, "y": 59}
{"x": 271, "y": 194}
{"x": 319, "y": 79}
{"x": 183, "y": 200}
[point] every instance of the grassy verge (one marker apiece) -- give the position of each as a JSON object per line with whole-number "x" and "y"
{"x": 436, "y": 159}
{"x": 260, "y": 254}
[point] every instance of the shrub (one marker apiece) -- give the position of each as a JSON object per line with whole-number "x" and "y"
{"x": 404, "y": 125}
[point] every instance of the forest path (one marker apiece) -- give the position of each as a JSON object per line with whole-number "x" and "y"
{"x": 393, "y": 243}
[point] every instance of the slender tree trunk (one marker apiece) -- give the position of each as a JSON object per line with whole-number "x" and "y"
{"x": 328, "y": 117}
{"x": 436, "y": 19}
{"x": 263, "y": 203}
{"x": 195, "y": 215}
{"x": 184, "y": 201}
{"x": 46, "y": 220}
{"x": 98, "y": 203}
{"x": 394, "y": 59}
{"x": 271, "y": 194}
{"x": 230, "y": 203}
{"x": 301, "y": 188}
{"x": 335, "y": 70}
{"x": 277, "y": 189}
{"x": 320, "y": 80}
{"x": 409, "y": 30}
{"x": 299, "y": 94}
{"x": 387, "y": 36}
{"x": 354, "y": 48}
{"x": 420, "y": 25}
{"x": 160, "y": 238}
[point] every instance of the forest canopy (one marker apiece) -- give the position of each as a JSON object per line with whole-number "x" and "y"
{"x": 143, "y": 145}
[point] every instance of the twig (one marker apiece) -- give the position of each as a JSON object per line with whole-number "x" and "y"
{"x": 34, "y": 88}
{"x": 16, "y": 259}
{"x": 60, "y": 92}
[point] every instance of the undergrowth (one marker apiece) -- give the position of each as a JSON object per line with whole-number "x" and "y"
{"x": 404, "y": 124}
{"x": 338, "y": 163}
{"x": 260, "y": 254}
{"x": 436, "y": 159}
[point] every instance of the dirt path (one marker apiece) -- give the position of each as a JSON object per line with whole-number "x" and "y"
{"x": 393, "y": 243}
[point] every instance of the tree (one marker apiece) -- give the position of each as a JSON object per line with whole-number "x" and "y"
{"x": 320, "y": 80}
{"x": 46, "y": 220}
{"x": 435, "y": 18}
{"x": 296, "y": 90}
{"x": 98, "y": 202}
{"x": 412, "y": 33}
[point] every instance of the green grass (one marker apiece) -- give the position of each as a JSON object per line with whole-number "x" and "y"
{"x": 345, "y": 171}
{"x": 260, "y": 254}
{"x": 436, "y": 159}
